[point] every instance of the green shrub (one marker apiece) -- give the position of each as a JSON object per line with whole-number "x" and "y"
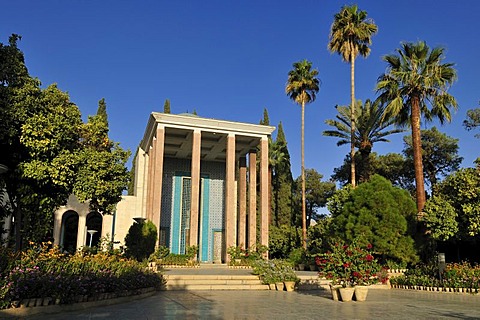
{"x": 160, "y": 253}
{"x": 377, "y": 213}
{"x": 140, "y": 240}
{"x": 282, "y": 240}
{"x": 297, "y": 256}
{"x": 275, "y": 270}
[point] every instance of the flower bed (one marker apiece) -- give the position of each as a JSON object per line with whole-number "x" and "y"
{"x": 274, "y": 271}
{"x": 457, "y": 277}
{"x": 44, "y": 272}
{"x": 163, "y": 257}
{"x": 244, "y": 258}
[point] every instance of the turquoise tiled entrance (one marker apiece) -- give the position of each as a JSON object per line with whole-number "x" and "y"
{"x": 180, "y": 223}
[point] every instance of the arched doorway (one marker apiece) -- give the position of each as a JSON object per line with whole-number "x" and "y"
{"x": 69, "y": 231}
{"x": 94, "y": 223}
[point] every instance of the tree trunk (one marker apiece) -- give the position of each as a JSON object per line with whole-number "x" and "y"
{"x": 352, "y": 118}
{"x": 417, "y": 154}
{"x": 304, "y": 209}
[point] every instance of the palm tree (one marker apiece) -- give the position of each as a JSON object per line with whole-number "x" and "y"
{"x": 370, "y": 126}
{"x": 416, "y": 78}
{"x": 302, "y": 87}
{"x": 350, "y": 35}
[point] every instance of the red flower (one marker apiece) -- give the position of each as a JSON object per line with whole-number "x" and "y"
{"x": 369, "y": 257}
{"x": 369, "y": 246}
{"x": 346, "y": 265}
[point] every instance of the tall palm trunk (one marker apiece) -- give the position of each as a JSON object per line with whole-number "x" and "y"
{"x": 417, "y": 154}
{"x": 304, "y": 209}
{"x": 352, "y": 117}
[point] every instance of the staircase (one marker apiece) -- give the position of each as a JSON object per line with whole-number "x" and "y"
{"x": 220, "y": 277}
{"x": 214, "y": 282}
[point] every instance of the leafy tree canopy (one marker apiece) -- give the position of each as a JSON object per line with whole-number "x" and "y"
{"x": 473, "y": 120}
{"x": 316, "y": 193}
{"x": 458, "y": 203}
{"x": 51, "y": 152}
{"x": 102, "y": 175}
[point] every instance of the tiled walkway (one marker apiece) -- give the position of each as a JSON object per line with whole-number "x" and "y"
{"x": 381, "y": 304}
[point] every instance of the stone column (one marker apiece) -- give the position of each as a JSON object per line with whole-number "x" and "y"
{"x": 230, "y": 222}
{"x": 57, "y": 226}
{"x": 82, "y": 230}
{"x": 242, "y": 203}
{"x": 140, "y": 182}
{"x": 264, "y": 191}
{"x": 195, "y": 196}
{"x": 158, "y": 179}
{"x": 150, "y": 180}
{"x": 252, "y": 200}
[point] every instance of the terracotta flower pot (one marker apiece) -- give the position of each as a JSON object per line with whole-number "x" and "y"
{"x": 335, "y": 293}
{"x": 289, "y": 285}
{"x": 346, "y": 293}
{"x": 361, "y": 293}
{"x": 279, "y": 286}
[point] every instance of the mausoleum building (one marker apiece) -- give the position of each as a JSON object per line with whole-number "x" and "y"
{"x": 201, "y": 181}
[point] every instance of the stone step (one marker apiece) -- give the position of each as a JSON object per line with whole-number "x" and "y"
{"x": 220, "y": 277}
{"x": 218, "y": 287}
{"x": 214, "y": 281}
{"x": 209, "y": 277}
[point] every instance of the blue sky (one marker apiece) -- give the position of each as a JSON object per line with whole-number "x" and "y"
{"x": 230, "y": 59}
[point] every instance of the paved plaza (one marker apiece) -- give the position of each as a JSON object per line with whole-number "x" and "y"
{"x": 317, "y": 304}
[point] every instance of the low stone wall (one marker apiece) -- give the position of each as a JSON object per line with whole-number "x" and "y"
{"x": 28, "y": 307}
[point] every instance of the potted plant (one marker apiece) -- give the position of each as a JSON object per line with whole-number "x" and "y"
{"x": 297, "y": 257}
{"x": 237, "y": 254}
{"x": 349, "y": 265}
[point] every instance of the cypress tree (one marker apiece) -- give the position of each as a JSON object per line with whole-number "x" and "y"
{"x": 265, "y": 121}
{"x": 282, "y": 181}
{"x": 166, "y": 106}
{"x": 102, "y": 111}
{"x": 131, "y": 182}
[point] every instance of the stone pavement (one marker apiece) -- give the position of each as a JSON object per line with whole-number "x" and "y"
{"x": 380, "y": 304}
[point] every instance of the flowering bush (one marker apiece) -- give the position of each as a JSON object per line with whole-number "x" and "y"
{"x": 43, "y": 271}
{"x": 236, "y": 252}
{"x": 275, "y": 270}
{"x": 349, "y": 264}
{"x": 247, "y": 256}
{"x": 455, "y": 275}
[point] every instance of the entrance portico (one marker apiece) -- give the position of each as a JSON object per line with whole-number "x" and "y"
{"x": 191, "y": 182}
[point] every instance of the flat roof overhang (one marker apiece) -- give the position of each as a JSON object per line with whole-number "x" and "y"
{"x": 179, "y": 130}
